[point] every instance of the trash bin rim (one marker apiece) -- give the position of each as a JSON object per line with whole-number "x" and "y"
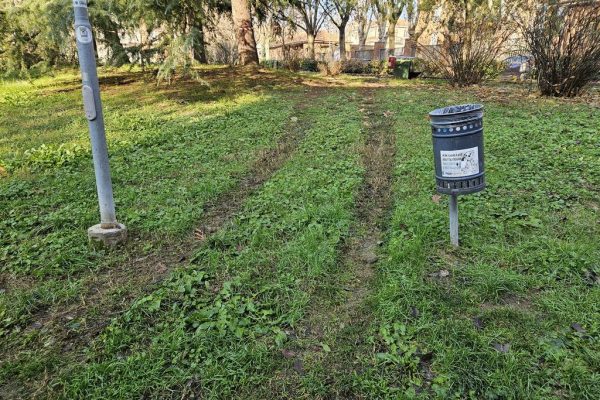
{"x": 462, "y": 109}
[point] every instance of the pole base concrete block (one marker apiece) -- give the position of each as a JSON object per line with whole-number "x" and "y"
{"x": 112, "y": 237}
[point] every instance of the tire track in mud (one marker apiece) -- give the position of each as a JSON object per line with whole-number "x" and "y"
{"x": 111, "y": 291}
{"x": 325, "y": 346}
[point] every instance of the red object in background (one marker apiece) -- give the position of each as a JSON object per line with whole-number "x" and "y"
{"x": 391, "y": 62}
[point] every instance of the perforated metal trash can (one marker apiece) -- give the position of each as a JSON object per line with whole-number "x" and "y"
{"x": 458, "y": 148}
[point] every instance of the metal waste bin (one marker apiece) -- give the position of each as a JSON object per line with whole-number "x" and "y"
{"x": 458, "y": 148}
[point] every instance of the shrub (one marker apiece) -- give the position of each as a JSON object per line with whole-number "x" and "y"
{"x": 323, "y": 68}
{"x": 274, "y": 64}
{"x": 335, "y": 68}
{"x": 222, "y": 50}
{"x": 421, "y": 67}
{"x": 377, "y": 67}
{"x": 473, "y": 38}
{"x": 495, "y": 69}
{"x": 330, "y": 68}
{"x": 307, "y": 64}
{"x": 292, "y": 62}
{"x": 565, "y": 43}
{"x": 353, "y": 66}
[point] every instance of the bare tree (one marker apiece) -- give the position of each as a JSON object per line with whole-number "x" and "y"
{"x": 363, "y": 21}
{"x": 387, "y": 13}
{"x": 306, "y": 15}
{"x": 564, "y": 40}
{"x": 413, "y": 10}
{"x": 380, "y": 10}
{"x": 395, "y": 8}
{"x": 339, "y": 12}
{"x": 473, "y": 37}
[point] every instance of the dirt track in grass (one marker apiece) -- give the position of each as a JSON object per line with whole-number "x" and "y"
{"x": 324, "y": 346}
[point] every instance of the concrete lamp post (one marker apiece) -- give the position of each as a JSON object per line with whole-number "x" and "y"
{"x": 108, "y": 232}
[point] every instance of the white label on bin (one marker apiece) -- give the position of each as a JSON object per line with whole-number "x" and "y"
{"x": 459, "y": 163}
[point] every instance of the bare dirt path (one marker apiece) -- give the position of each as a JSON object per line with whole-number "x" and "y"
{"x": 324, "y": 347}
{"x": 64, "y": 331}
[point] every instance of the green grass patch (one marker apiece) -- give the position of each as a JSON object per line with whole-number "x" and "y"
{"x": 165, "y": 169}
{"x": 162, "y": 178}
{"x": 511, "y": 314}
{"x": 215, "y": 326}
{"x": 497, "y": 323}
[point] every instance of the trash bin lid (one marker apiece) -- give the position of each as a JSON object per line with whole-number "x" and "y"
{"x": 456, "y": 114}
{"x": 456, "y": 110}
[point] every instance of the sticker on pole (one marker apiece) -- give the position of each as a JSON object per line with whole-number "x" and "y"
{"x": 84, "y": 34}
{"x": 89, "y": 104}
{"x": 80, "y": 3}
{"x": 459, "y": 163}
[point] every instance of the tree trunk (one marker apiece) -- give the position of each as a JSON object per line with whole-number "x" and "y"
{"x": 381, "y": 26}
{"x": 199, "y": 46}
{"x": 362, "y": 35}
{"x": 363, "y": 27}
{"x": 391, "y": 37}
{"x": 200, "y": 50}
{"x": 242, "y": 22}
{"x": 410, "y": 45}
{"x": 342, "y": 40}
{"x": 310, "y": 40}
{"x": 118, "y": 56}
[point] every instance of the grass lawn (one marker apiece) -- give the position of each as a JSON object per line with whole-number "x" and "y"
{"x": 286, "y": 241}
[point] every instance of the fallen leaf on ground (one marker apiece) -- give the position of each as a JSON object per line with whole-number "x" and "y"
{"x": 502, "y": 348}
{"x": 444, "y": 273}
{"x": 578, "y": 328}
{"x": 414, "y": 312}
{"x": 199, "y": 234}
{"x": 477, "y": 321}
{"x": 298, "y": 366}
{"x": 36, "y": 325}
{"x": 288, "y": 353}
{"x": 162, "y": 268}
{"x": 370, "y": 258}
